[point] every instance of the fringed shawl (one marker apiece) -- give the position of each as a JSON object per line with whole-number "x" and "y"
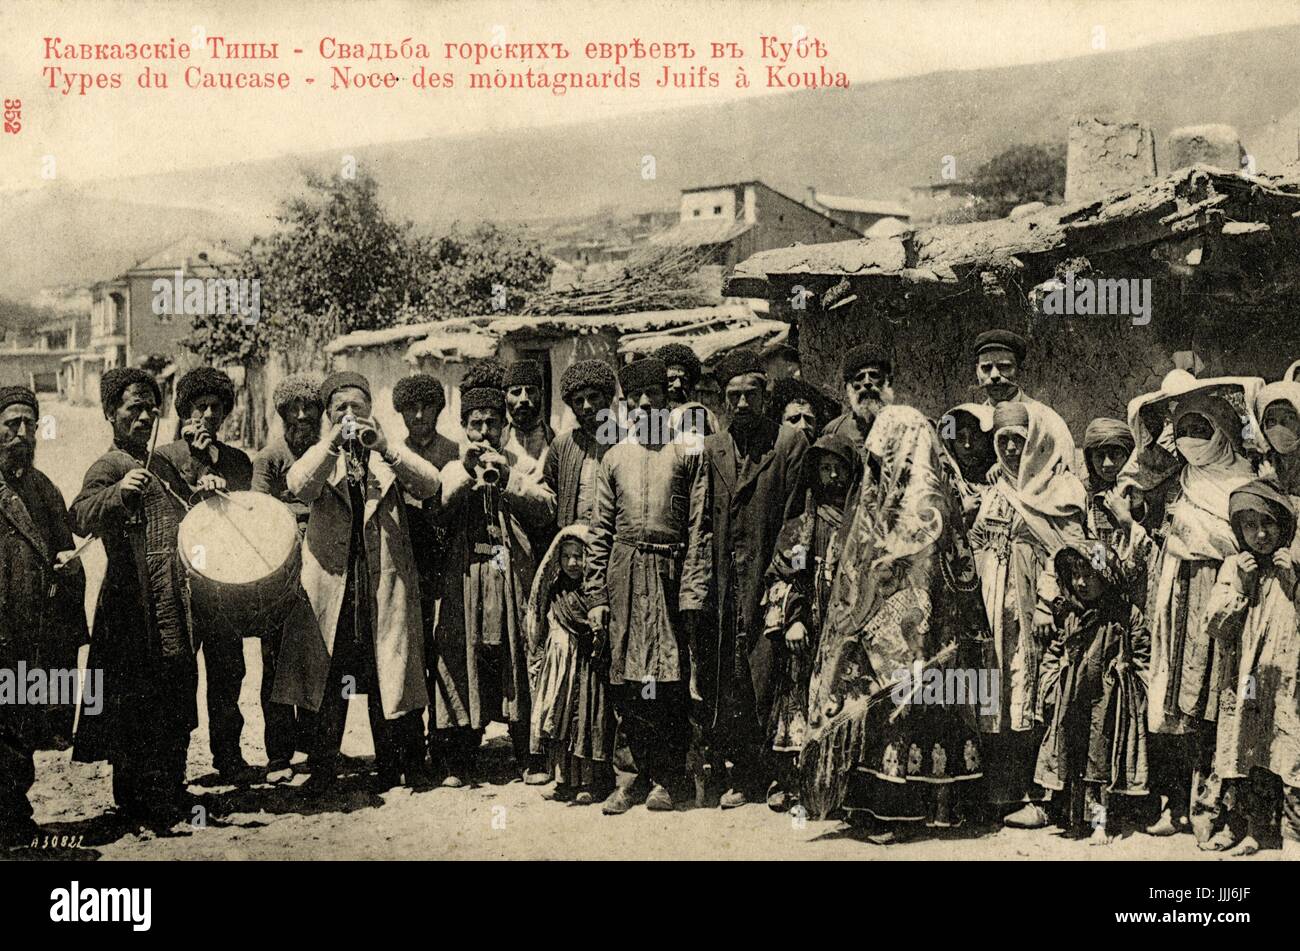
{"x": 905, "y": 592}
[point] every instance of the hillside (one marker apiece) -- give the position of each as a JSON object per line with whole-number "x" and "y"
{"x": 875, "y": 139}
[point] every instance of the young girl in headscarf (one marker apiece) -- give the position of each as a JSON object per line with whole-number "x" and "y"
{"x": 1278, "y": 410}
{"x": 799, "y": 586}
{"x": 966, "y": 444}
{"x": 572, "y": 722}
{"x": 1252, "y": 613}
{"x": 1183, "y": 562}
{"x": 1094, "y": 695}
{"x": 1034, "y": 507}
{"x": 1107, "y": 445}
{"x": 886, "y": 740}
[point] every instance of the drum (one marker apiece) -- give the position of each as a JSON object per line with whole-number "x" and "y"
{"x": 242, "y": 556}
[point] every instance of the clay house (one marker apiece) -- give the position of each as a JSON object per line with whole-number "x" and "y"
{"x": 1216, "y": 252}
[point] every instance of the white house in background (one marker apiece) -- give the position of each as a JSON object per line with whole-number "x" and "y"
{"x": 736, "y": 220}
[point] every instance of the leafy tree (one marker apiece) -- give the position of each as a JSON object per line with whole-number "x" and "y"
{"x": 1020, "y": 174}
{"x": 480, "y": 271}
{"x": 338, "y": 263}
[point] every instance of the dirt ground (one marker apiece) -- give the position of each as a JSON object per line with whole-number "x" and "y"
{"x": 501, "y": 820}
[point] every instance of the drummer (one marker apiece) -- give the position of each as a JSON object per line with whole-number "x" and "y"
{"x": 204, "y": 398}
{"x": 297, "y": 403}
{"x": 142, "y": 639}
{"x": 358, "y": 571}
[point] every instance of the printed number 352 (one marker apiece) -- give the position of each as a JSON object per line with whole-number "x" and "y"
{"x": 13, "y": 112}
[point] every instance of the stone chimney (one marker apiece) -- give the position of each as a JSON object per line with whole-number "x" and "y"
{"x": 1104, "y": 156}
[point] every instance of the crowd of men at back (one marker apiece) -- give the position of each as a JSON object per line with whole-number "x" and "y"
{"x": 781, "y": 608}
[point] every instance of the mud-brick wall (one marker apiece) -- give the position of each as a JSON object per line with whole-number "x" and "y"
{"x": 1082, "y": 366}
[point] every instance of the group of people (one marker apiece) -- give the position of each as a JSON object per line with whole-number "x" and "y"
{"x": 706, "y": 592}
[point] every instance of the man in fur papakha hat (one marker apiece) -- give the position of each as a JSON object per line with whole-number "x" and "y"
{"x": 753, "y": 470}
{"x": 647, "y": 578}
{"x": 42, "y": 606}
{"x": 205, "y": 396}
{"x": 868, "y": 374}
{"x": 683, "y": 372}
{"x": 569, "y": 469}
{"x": 492, "y": 502}
{"x": 420, "y": 399}
{"x": 527, "y": 432}
{"x": 298, "y": 404}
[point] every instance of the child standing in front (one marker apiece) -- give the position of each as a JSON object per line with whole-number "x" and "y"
{"x": 1094, "y": 696}
{"x": 1253, "y": 609}
{"x": 572, "y": 720}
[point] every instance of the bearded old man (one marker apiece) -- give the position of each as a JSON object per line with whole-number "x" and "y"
{"x": 42, "y": 612}
{"x": 868, "y": 374}
{"x": 753, "y": 472}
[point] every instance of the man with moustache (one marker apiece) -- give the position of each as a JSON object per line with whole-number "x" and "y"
{"x": 570, "y": 466}
{"x": 205, "y": 396}
{"x": 420, "y": 400}
{"x": 753, "y": 471}
{"x": 297, "y": 403}
{"x": 142, "y": 639}
{"x": 42, "y": 612}
{"x": 683, "y": 372}
{"x": 527, "y": 431}
{"x": 646, "y": 582}
{"x": 868, "y": 374}
{"x": 999, "y": 358}
{"x": 493, "y": 503}
{"x": 358, "y": 572}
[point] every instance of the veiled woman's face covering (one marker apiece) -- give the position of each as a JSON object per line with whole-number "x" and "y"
{"x": 1200, "y": 442}
{"x": 1282, "y": 427}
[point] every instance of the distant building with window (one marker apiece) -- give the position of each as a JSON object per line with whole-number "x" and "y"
{"x": 736, "y": 220}
{"x": 125, "y": 331}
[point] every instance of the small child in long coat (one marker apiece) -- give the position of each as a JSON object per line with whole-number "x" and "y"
{"x": 1094, "y": 695}
{"x": 1253, "y": 609}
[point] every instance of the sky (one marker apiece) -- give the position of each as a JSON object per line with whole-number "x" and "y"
{"x": 130, "y": 131}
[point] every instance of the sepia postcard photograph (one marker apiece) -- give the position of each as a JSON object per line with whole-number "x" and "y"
{"x": 656, "y": 431}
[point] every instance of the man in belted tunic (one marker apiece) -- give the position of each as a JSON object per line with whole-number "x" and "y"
{"x": 647, "y": 577}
